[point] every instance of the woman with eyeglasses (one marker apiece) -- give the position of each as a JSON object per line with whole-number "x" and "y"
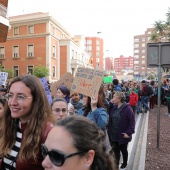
{"x": 25, "y": 125}
{"x": 75, "y": 144}
{"x": 59, "y": 109}
{"x": 64, "y": 92}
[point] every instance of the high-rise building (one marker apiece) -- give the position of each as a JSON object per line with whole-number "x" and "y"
{"x": 94, "y": 46}
{"x": 140, "y": 55}
{"x": 123, "y": 64}
{"x": 109, "y": 62}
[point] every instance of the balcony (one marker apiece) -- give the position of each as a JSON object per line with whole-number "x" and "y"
{"x": 75, "y": 63}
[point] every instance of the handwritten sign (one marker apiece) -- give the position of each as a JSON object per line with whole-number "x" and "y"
{"x": 46, "y": 88}
{"x": 66, "y": 80}
{"x": 87, "y": 81}
{"x": 3, "y": 78}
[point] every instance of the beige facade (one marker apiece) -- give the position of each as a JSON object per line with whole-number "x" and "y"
{"x": 140, "y": 55}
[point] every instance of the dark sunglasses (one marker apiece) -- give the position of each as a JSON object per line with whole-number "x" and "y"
{"x": 56, "y": 157}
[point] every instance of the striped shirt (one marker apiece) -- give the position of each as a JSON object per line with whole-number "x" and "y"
{"x": 9, "y": 161}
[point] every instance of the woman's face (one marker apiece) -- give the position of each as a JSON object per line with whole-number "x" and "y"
{"x": 59, "y": 94}
{"x": 116, "y": 99}
{"x": 75, "y": 97}
{"x": 61, "y": 140}
{"x": 20, "y": 101}
{"x": 1, "y": 110}
{"x": 59, "y": 110}
{"x": 85, "y": 100}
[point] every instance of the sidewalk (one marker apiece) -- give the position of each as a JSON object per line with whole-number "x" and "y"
{"x": 158, "y": 159}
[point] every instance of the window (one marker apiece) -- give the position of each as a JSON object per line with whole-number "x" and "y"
{"x": 16, "y": 31}
{"x": 136, "y": 45}
{"x": 136, "y": 62}
{"x": 54, "y": 51}
{"x": 89, "y": 42}
{"x": 149, "y": 38}
{"x": 143, "y": 45}
{"x": 54, "y": 71}
{"x": 97, "y": 54}
{"x": 97, "y": 42}
{"x": 89, "y": 48}
{"x": 30, "y": 70}
{"x": 143, "y": 39}
{"x": 2, "y": 52}
{"x": 136, "y": 51}
{"x": 143, "y": 56}
{"x": 136, "y": 40}
{"x": 143, "y": 61}
{"x": 149, "y": 32}
{"x": 15, "y": 51}
{"x": 97, "y": 60}
{"x": 16, "y": 71}
{"x": 30, "y": 29}
{"x": 143, "y": 51}
{"x": 98, "y": 48}
{"x": 30, "y": 50}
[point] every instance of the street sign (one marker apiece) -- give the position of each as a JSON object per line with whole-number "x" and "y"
{"x": 153, "y": 54}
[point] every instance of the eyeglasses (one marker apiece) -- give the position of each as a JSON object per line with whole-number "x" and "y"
{"x": 19, "y": 97}
{"x": 57, "y": 110}
{"x": 55, "y": 156}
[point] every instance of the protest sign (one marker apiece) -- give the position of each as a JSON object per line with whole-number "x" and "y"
{"x": 66, "y": 80}
{"x": 46, "y": 88}
{"x": 3, "y": 78}
{"x": 87, "y": 81}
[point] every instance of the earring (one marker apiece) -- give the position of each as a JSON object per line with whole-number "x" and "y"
{"x": 86, "y": 165}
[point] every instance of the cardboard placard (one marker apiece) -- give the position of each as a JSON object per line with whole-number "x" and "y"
{"x": 3, "y": 78}
{"x": 87, "y": 81}
{"x": 66, "y": 80}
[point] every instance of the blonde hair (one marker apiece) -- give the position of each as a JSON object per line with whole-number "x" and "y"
{"x": 120, "y": 95}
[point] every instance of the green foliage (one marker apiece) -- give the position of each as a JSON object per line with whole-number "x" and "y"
{"x": 10, "y": 72}
{"x": 41, "y": 71}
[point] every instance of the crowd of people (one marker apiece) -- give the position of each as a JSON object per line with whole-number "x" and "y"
{"x": 74, "y": 132}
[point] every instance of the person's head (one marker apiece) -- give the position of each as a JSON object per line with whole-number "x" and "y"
{"x": 119, "y": 97}
{"x": 80, "y": 137}
{"x": 2, "y": 106}
{"x": 75, "y": 97}
{"x": 27, "y": 102}
{"x": 63, "y": 92}
{"x": 115, "y": 82}
{"x": 59, "y": 109}
{"x": 132, "y": 87}
{"x": 152, "y": 83}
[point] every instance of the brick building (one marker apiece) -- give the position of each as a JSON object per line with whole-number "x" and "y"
{"x": 109, "y": 64}
{"x": 38, "y": 39}
{"x": 123, "y": 64}
{"x": 94, "y": 46}
{"x": 140, "y": 55}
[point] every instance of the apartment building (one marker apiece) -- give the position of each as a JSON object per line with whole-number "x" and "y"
{"x": 4, "y": 22}
{"x": 123, "y": 64}
{"x": 94, "y": 46}
{"x": 140, "y": 55}
{"x": 38, "y": 39}
{"x": 109, "y": 63}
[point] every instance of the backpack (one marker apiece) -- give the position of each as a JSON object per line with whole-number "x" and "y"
{"x": 149, "y": 90}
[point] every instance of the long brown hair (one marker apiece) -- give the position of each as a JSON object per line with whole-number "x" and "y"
{"x": 40, "y": 114}
{"x": 87, "y": 108}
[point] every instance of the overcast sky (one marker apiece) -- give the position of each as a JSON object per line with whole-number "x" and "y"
{"x": 117, "y": 20}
